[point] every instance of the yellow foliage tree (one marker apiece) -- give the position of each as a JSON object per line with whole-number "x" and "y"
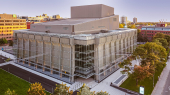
{"x": 9, "y": 92}
{"x": 36, "y": 89}
{"x": 121, "y": 26}
{"x": 85, "y": 90}
{"x": 62, "y": 89}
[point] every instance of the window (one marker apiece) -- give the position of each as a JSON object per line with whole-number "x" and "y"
{"x": 65, "y": 28}
{"x": 33, "y": 26}
{"x": 0, "y": 17}
{"x": 150, "y": 28}
{"x": 158, "y": 28}
{"x": 114, "y": 19}
{"x": 166, "y": 29}
{"x": 143, "y": 28}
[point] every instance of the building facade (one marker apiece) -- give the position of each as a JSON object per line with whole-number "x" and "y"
{"x": 124, "y": 19}
{"x": 76, "y": 47}
{"x": 8, "y": 23}
{"x": 150, "y": 31}
{"x": 134, "y": 20}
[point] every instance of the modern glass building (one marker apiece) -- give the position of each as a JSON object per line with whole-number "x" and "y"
{"x": 86, "y": 45}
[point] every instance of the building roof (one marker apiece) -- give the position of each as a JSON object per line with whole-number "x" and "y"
{"x": 68, "y": 21}
{"x": 155, "y": 28}
{"x": 79, "y": 36}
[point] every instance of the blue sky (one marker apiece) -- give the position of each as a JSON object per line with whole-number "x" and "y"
{"x": 144, "y": 10}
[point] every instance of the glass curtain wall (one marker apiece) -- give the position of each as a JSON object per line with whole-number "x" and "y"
{"x": 84, "y": 60}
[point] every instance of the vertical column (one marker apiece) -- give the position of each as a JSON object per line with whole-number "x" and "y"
{"x": 72, "y": 63}
{"x": 51, "y": 68}
{"x": 36, "y": 54}
{"x": 17, "y": 52}
{"x": 96, "y": 62}
{"x": 28, "y": 50}
{"x": 43, "y": 51}
{"x": 60, "y": 60}
{"x": 22, "y": 49}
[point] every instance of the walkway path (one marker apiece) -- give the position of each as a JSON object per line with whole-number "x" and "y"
{"x": 162, "y": 80}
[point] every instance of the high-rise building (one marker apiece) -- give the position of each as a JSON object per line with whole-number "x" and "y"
{"x": 87, "y": 45}
{"x": 124, "y": 19}
{"x": 8, "y": 23}
{"x": 134, "y": 20}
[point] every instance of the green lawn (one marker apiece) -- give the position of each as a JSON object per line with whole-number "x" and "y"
{"x": 130, "y": 83}
{"x": 8, "y": 80}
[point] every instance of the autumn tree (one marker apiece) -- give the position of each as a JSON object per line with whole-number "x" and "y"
{"x": 85, "y": 90}
{"x": 145, "y": 37}
{"x": 139, "y": 36}
{"x": 140, "y": 73}
{"x": 36, "y": 89}
{"x": 9, "y": 92}
{"x": 158, "y": 35}
{"x": 163, "y": 41}
{"x": 102, "y": 93}
{"x": 167, "y": 37}
{"x": 121, "y": 26}
{"x": 150, "y": 52}
{"x": 62, "y": 89}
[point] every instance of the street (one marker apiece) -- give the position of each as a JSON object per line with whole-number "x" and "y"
{"x": 166, "y": 90}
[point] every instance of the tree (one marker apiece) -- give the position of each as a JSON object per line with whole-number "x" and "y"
{"x": 85, "y": 90}
{"x": 9, "y": 92}
{"x": 167, "y": 37}
{"x": 121, "y": 26}
{"x": 158, "y": 35}
{"x": 145, "y": 38}
{"x": 62, "y": 89}
{"x": 36, "y": 89}
{"x": 150, "y": 52}
{"x": 10, "y": 43}
{"x": 101, "y": 93}
{"x": 163, "y": 41}
{"x": 5, "y": 41}
{"x": 133, "y": 26}
{"x": 139, "y": 36}
{"x": 140, "y": 73}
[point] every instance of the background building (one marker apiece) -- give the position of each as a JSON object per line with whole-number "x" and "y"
{"x": 124, "y": 19}
{"x": 88, "y": 45}
{"x": 134, "y": 20}
{"x": 150, "y": 31}
{"x": 8, "y": 23}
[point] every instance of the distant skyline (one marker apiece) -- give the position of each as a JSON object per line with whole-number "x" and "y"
{"x": 143, "y": 10}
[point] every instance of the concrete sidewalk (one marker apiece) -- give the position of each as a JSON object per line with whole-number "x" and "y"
{"x": 162, "y": 80}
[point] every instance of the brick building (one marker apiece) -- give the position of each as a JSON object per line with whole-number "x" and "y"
{"x": 150, "y": 31}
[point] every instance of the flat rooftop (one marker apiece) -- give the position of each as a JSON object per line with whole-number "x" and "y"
{"x": 68, "y": 21}
{"x": 79, "y": 36}
{"x": 156, "y": 28}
